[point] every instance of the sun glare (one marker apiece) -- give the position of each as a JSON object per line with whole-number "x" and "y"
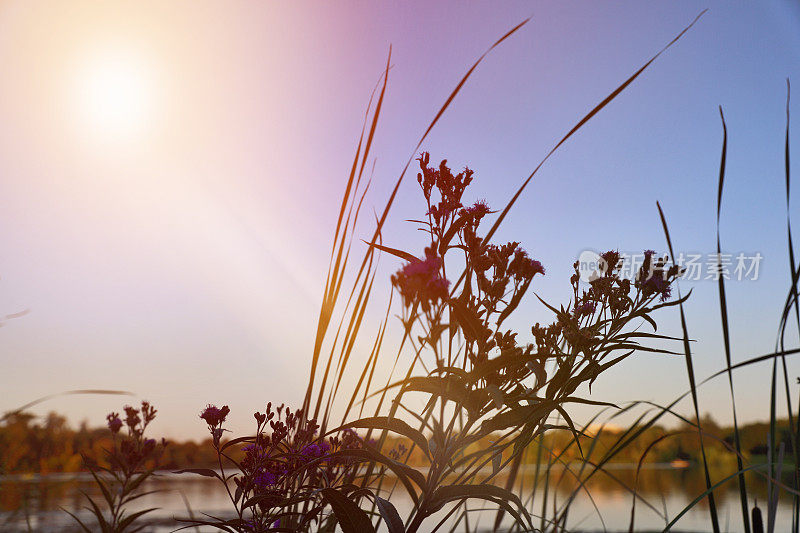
{"x": 115, "y": 95}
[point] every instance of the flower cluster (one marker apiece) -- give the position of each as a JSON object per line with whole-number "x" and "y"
{"x": 578, "y": 340}
{"x": 474, "y": 213}
{"x": 285, "y": 461}
{"x": 398, "y": 453}
{"x": 494, "y": 377}
{"x": 497, "y": 276}
{"x": 215, "y": 416}
{"x": 420, "y": 282}
{"x": 654, "y": 276}
{"x": 449, "y": 186}
{"x": 131, "y": 460}
{"x": 114, "y": 423}
{"x": 133, "y": 451}
{"x": 497, "y": 266}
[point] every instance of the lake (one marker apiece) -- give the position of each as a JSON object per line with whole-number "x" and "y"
{"x": 36, "y": 501}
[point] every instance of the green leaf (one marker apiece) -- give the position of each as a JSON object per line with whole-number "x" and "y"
{"x": 390, "y": 515}
{"x": 136, "y": 482}
{"x": 104, "y": 526}
{"x": 515, "y": 300}
{"x": 517, "y": 417}
{"x": 395, "y": 252}
{"x": 467, "y": 319}
{"x": 497, "y": 458}
{"x": 217, "y": 523}
{"x": 78, "y": 520}
{"x": 129, "y": 499}
{"x": 404, "y": 473}
{"x": 491, "y": 493}
{"x": 351, "y": 518}
{"x": 277, "y": 503}
{"x": 129, "y": 519}
{"x": 450, "y": 387}
{"x": 447, "y": 237}
{"x": 207, "y": 472}
{"x": 391, "y": 424}
{"x": 99, "y": 482}
{"x": 235, "y": 441}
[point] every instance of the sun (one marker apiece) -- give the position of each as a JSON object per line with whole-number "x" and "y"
{"x": 114, "y": 95}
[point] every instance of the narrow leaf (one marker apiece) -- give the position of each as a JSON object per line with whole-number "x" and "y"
{"x": 351, "y": 518}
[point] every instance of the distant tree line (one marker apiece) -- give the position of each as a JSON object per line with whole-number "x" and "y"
{"x": 30, "y": 444}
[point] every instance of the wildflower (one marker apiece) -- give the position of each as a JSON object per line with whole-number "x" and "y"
{"x": 114, "y": 423}
{"x": 256, "y": 456}
{"x": 609, "y": 262}
{"x": 149, "y": 446}
{"x": 132, "y": 418}
{"x": 420, "y": 281}
{"x": 214, "y": 416}
{"x": 476, "y": 211}
{"x": 450, "y": 187}
{"x": 657, "y": 285}
{"x": 148, "y": 412}
{"x": 654, "y": 276}
{"x": 132, "y": 459}
{"x": 265, "y": 479}
{"x": 586, "y": 308}
{"x": 523, "y": 267}
{"x": 312, "y": 451}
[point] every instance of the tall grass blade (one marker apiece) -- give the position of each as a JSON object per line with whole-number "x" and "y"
{"x": 712, "y": 506}
{"x": 793, "y": 270}
{"x": 583, "y": 121}
{"x": 65, "y": 393}
{"x": 330, "y": 296}
{"x": 771, "y": 436}
{"x": 331, "y": 289}
{"x": 723, "y": 309}
{"x": 708, "y": 492}
{"x": 773, "y": 504}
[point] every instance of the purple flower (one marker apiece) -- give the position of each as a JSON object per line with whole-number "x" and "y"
{"x": 149, "y": 446}
{"x": 214, "y": 416}
{"x": 132, "y": 418}
{"x": 312, "y": 450}
{"x": 586, "y": 308}
{"x": 420, "y": 281}
{"x": 658, "y": 285}
{"x": 254, "y": 457}
{"x": 523, "y": 267}
{"x": 114, "y": 423}
{"x": 478, "y": 210}
{"x": 264, "y": 479}
{"x": 610, "y": 262}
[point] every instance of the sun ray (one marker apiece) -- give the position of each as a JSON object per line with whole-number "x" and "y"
{"x": 114, "y": 93}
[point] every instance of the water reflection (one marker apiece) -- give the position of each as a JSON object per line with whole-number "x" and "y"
{"x": 605, "y": 500}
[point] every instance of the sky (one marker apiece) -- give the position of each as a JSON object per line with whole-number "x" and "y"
{"x": 170, "y": 175}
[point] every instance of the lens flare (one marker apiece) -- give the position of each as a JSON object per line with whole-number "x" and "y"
{"x": 115, "y": 95}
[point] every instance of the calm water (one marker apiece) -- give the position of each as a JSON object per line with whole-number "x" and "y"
{"x": 37, "y": 501}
